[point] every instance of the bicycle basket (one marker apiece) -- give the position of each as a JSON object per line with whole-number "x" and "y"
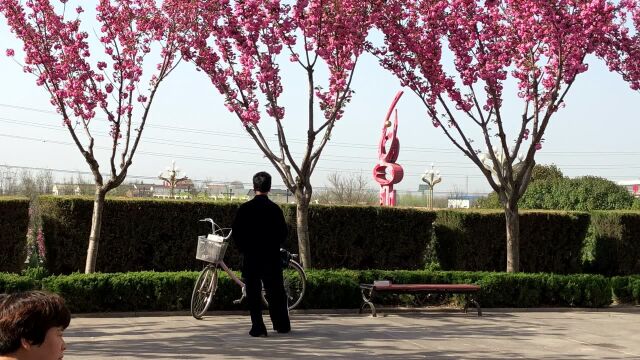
{"x": 211, "y": 248}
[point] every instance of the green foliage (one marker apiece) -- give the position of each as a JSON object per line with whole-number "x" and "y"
{"x": 124, "y": 291}
{"x": 161, "y": 235}
{"x": 326, "y": 289}
{"x": 491, "y": 201}
{"x": 476, "y": 240}
{"x": 550, "y": 191}
{"x": 12, "y": 283}
{"x": 366, "y": 237}
{"x": 546, "y": 172}
{"x": 612, "y": 246}
{"x": 581, "y": 194}
{"x": 36, "y": 273}
{"x": 636, "y": 204}
{"x": 14, "y": 220}
{"x": 136, "y": 235}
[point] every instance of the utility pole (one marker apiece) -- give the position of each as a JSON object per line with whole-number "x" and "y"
{"x": 170, "y": 176}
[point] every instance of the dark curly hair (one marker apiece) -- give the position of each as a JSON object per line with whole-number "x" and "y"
{"x": 29, "y": 315}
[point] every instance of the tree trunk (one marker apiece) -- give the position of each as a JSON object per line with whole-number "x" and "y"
{"x": 94, "y": 236}
{"x": 513, "y": 235}
{"x": 302, "y": 227}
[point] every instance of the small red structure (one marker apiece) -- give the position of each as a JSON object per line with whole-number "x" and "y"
{"x": 387, "y": 172}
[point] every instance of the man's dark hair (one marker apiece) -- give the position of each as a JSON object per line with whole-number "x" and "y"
{"x": 29, "y": 315}
{"x": 262, "y": 182}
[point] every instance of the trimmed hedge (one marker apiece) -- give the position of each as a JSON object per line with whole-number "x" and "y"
{"x": 626, "y": 289}
{"x": 326, "y": 289}
{"x": 365, "y": 237}
{"x": 12, "y": 283}
{"x": 14, "y": 222}
{"x": 136, "y": 234}
{"x": 613, "y": 244}
{"x": 550, "y": 241}
{"x": 161, "y": 235}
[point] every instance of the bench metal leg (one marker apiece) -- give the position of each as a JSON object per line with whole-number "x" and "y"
{"x": 477, "y": 305}
{"x": 468, "y": 300}
{"x": 367, "y": 301}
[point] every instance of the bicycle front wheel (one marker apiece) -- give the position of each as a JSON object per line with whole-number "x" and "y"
{"x": 295, "y": 283}
{"x": 203, "y": 291}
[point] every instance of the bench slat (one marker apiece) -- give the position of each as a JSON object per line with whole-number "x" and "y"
{"x": 462, "y": 288}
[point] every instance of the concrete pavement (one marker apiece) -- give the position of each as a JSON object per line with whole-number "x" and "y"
{"x": 498, "y": 334}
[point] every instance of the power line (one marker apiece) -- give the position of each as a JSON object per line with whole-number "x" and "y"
{"x": 207, "y": 159}
{"x": 327, "y": 157}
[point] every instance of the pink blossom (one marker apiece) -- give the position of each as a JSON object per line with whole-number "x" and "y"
{"x": 41, "y": 246}
{"x": 541, "y": 45}
{"x": 10, "y": 52}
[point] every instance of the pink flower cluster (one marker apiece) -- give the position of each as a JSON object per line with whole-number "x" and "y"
{"x": 237, "y": 43}
{"x": 622, "y": 50}
{"x": 542, "y": 44}
{"x": 57, "y": 52}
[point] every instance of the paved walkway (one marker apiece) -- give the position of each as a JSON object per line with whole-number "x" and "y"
{"x": 507, "y": 334}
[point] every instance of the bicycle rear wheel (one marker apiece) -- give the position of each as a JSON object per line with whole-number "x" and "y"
{"x": 295, "y": 283}
{"x": 203, "y": 291}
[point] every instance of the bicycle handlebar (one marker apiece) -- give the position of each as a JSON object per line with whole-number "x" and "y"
{"x": 220, "y": 229}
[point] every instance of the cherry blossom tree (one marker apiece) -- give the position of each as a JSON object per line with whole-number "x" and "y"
{"x": 540, "y": 45}
{"x": 238, "y": 45}
{"x": 80, "y": 84}
{"x": 622, "y": 50}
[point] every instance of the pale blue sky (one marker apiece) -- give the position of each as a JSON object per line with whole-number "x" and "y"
{"x": 595, "y": 134}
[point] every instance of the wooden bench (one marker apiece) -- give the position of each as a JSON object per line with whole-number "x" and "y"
{"x": 370, "y": 290}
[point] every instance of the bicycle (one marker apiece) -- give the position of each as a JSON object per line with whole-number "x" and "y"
{"x": 212, "y": 248}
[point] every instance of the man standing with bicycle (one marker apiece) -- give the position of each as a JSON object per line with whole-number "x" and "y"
{"x": 259, "y": 230}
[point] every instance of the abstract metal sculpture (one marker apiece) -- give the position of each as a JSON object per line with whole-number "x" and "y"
{"x": 387, "y": 172}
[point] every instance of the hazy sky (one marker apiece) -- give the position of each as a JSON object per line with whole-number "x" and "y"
{"x": 595, "y": 134}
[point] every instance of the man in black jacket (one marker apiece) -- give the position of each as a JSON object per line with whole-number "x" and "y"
{"x": 259, "y": 230}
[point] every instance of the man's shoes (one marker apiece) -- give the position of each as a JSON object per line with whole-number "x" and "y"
{"x": 282, "y": 330}
{"x": 258, "y": 332}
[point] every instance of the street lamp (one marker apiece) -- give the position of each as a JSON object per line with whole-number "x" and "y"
{"x": 431, "y": 177}
{"x": 170, "y": 176}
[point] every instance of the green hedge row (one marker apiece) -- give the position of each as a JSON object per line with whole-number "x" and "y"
{"x": 326, "y": 289}
{"x": 12, "y": 283}
{"x": 626, "y": 289}
{"x": 161, "y": 235}
{"x": 476, "y": 240}
{"x": 14, "y": 222}
{"x": 613, "y": 244}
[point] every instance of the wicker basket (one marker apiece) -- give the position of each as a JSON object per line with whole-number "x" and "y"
{"x": 211, "y": 248}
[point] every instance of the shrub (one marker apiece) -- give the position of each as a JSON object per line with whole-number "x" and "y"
{"x": 14, "y": 221}
{"x": 326, "y": 289}
{"x": 12, "y": 282}
{"x": 612, "y": 247}
{"x": 476, "y": 240}
{"x": 161, "y": 235}
{"x": 626, "y": 289}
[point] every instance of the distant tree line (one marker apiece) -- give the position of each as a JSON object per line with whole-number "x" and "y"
{"x": 551, "y": 190}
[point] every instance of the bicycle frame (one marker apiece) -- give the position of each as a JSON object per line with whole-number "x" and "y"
{"x": 202, "y": 294}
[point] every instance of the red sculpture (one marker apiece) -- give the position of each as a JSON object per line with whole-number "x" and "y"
{"x": 387, "y": 172}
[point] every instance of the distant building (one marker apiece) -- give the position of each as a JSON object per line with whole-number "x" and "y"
{"x": 632, "y": 186}
{"x": 463, "y": 201}
{"x": 141, "y": 190}
{"x": 73, "y": 189}
{"x": 230, "y": 190}
{"x": 182, "y": 190}
{"x": 458, "y": 203}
